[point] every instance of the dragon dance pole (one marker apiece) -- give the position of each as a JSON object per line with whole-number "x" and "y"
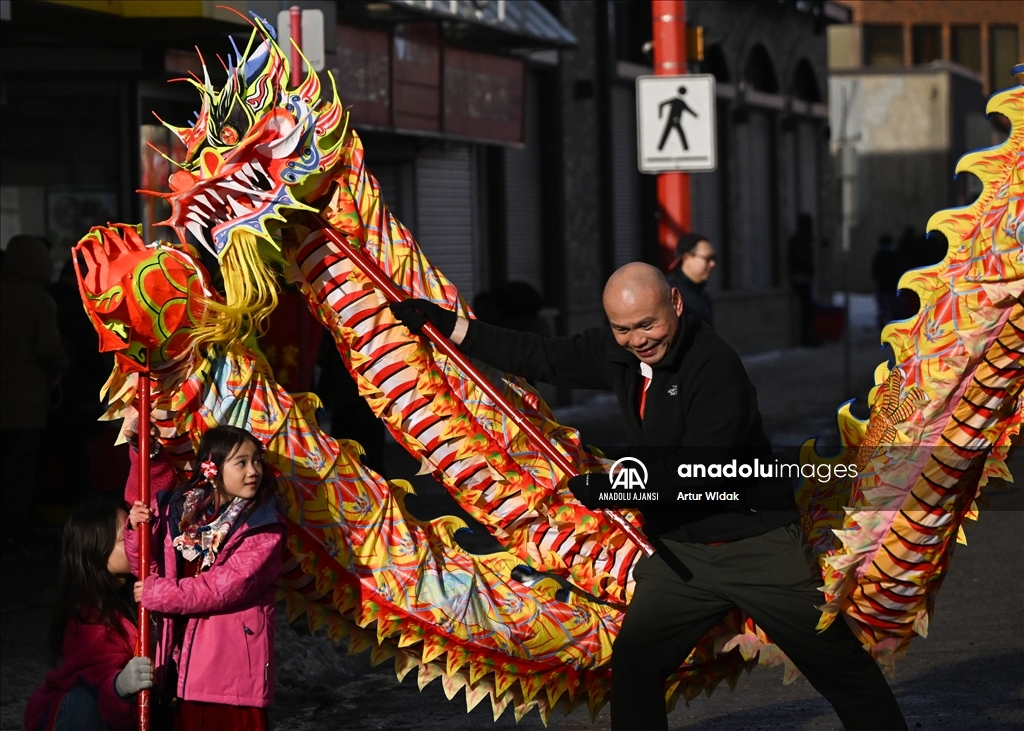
{"x": 142, "y": 643}
{"x": 394, "y": 294}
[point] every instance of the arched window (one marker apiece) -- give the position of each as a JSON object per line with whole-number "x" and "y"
{"x": 805, "y": 84}
{"x": 759, "y": 73}
{"x": 714, "y": 64}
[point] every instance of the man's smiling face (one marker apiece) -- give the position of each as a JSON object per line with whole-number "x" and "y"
{"x": 643, "y": 313}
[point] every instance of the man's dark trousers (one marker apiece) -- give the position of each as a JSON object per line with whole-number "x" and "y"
{"x": 773, "y": 579}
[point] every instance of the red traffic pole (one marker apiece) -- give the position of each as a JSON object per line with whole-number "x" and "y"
{"x": 668, "y": 20}
{"x": 295, "y": 32}
{"x": 394, "y": 294}
{"x": 142, "y": 644}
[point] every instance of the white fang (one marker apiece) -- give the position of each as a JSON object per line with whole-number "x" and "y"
{"x": 238, "y": 208}
{"x": 232, "y": 185}
{"x": 198, "y": 231}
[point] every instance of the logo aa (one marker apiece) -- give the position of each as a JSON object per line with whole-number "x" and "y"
{"x": 627, "y": 477}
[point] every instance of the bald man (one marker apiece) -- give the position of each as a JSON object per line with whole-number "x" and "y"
{"x": 684, "y": 392}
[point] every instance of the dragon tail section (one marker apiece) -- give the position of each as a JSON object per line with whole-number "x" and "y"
{"x": 942, "y": 414}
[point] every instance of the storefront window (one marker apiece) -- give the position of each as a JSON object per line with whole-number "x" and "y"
{"x": 883, "y": 45}
{"x": 967, "y": 46}
{"x": 364, "y": 74}
{"x": 927, "y": 41}
{"x": 1002, "y": 55}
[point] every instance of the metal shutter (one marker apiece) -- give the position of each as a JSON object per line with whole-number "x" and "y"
{"x": 752, "y": 255}
{"x": 444, "y": 214}
{"x": 626, "y": 229}
{"x": 525, "y": 227}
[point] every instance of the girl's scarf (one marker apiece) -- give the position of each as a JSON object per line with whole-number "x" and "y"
{"x": 203, "y": 532}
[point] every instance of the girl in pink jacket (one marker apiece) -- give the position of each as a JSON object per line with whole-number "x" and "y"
{"x": 217, "y": 544}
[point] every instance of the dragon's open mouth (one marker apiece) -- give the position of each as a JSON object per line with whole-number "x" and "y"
{"x": 230, "y": 200}
{"x": 245, "y": 186}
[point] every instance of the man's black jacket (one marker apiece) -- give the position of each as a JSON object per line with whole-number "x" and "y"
{"x": 695, "y": 296}
{"x": 700, "y": 403}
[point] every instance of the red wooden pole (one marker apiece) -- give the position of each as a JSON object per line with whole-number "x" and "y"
{"x": 295, "y": 32}
{"x": 668, "y": 20}
{"x": 142, "y": 645}
{"x": 394, "y": 294}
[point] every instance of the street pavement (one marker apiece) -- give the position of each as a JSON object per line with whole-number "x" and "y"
{"x": 967, "y": 674}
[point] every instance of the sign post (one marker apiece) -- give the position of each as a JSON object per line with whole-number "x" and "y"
{"x": 676, "y": 129}
{"x": 303, "y": 30}
{"x": 669, "y": 35}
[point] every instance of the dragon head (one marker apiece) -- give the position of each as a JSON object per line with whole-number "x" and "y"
{"x": 256, "y": 150}
{"x": 145, "y": 302}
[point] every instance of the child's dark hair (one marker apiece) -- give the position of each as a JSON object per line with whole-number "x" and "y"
{"x": 216, "y": 446}
{"x": 86, "y": 590}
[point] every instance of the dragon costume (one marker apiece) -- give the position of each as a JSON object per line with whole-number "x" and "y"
{"x": 268, "y": 166}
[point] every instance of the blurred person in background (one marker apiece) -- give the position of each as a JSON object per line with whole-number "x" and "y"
{"x": 886, "y": 269}
{"x": 689, "y": 273}
{"x": 515, "y": 305}
{"x": 33, "y": 360}
{"x": 79, "y": 407}
{"x": 801, "y": 275}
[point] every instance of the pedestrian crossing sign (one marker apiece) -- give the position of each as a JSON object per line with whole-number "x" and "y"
{"x": 675, "y": 123}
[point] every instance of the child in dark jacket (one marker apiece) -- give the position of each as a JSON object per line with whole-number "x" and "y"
{"x": 218, "y": 541}
{"x": 92, "y": 630}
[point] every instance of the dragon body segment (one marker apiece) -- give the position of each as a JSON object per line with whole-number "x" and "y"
{"x": 364, "y": 567}
{"x": 361, "y": 564}
{"x": 439, "y": 415}
{"x": 943, "y": 413}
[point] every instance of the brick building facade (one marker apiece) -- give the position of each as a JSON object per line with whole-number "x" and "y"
{"x": 985, "y": 36}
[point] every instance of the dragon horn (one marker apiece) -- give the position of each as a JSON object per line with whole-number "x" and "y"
{"x": 206, "y": 74}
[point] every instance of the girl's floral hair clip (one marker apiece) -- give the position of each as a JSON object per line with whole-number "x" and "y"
{"x": 209, "y": 470}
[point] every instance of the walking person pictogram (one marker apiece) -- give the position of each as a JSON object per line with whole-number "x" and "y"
{"x": 676, "y": 106}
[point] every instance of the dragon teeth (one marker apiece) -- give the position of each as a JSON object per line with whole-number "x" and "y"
{"x": 199, "y": 232}
{"x": 194, "y": 216}
{"x": 247, "y": 169}
{"x": 256, "y": 164}
{"x": 215, "y": 194}
{"x": 238, "y": 208}
{"x": 232, "y": 185}
{"x": 204, "y": 200}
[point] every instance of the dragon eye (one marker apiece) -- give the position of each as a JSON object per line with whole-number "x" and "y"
{"x": 228, "y": 135}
